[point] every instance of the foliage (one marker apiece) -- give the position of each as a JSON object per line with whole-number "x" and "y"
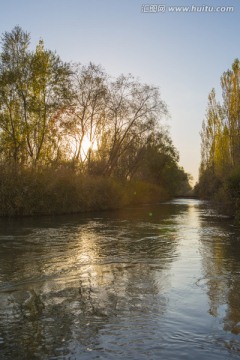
{"x": 34, "y": 90}
{"x": 72, "y": 137}
{"x": 219, "y": 172}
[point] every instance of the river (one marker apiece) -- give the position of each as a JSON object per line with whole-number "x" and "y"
{"x": 153, "y": 282}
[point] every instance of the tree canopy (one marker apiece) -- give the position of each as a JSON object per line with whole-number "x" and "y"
{"x": 220, "y": 135}
{"x": 55, "y": 114}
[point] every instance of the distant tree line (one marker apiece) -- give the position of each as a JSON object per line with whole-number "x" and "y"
{"x": 220, "y": 147}
{"x": 57, "y": 117}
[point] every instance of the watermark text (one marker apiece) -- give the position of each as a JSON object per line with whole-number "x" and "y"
{"x": 161, "y": 8}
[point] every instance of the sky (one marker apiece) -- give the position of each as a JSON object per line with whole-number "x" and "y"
{"x": 182, "y": 53}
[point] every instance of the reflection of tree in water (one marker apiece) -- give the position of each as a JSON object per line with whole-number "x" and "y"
{"x": 69, "y": 283}
{"x": 221, "y": 266}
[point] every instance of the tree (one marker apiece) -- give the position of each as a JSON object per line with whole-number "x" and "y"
{"x": 160, "y": 165}
{"x": 14, "y": 62}
{"x": 87, "y": 118}
{"x": 230, "y": 82}
{"x": 134, "y": 111}
{"x": 220, "y": 135}
{"x": 77, "y": 119}
{"x": 35, "y": 90}
{"x": 115, "y": 116}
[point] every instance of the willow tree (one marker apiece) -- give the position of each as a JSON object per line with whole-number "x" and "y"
{"x": 114, "y": 116}
{"x": 87, "y": 116}
{"x": 34, "y": 91}
{"x": 134, "y": 110}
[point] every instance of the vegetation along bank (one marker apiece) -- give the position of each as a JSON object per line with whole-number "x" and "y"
{"x": 72, "y": 138}
{"x": 220, "y": 158}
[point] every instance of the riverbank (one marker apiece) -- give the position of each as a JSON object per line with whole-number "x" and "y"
{"x": 224, "y": 194}
{"x": 63, "y": 191}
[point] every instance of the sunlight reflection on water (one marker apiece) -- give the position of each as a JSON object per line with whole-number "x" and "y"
{"x": 122, "y": 284}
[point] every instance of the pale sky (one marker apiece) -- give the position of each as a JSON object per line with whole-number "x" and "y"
{"x": 184, "y": 54}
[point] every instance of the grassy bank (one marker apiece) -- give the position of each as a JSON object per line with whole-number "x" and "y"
{"x": 224, "y": 192}
{"x": 62, "y": 191}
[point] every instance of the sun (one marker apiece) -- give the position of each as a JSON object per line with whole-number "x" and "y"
{"x": 83, "y": 151}
{"x": 87, "y": 145}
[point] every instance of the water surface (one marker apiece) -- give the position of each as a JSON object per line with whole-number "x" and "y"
{"x": 155, "y": 282}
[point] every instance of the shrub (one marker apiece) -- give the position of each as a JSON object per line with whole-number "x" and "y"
{"x": 51, "y": 191}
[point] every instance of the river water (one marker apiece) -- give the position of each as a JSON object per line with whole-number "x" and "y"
{"x": 154, "y": 282}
